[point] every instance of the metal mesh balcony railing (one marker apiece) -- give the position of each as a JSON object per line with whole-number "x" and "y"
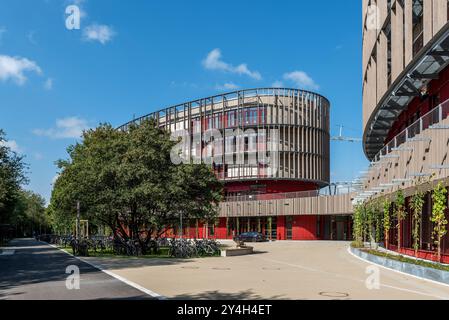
{"x": 274, "y": 196}
{"x": 427, "y": 121}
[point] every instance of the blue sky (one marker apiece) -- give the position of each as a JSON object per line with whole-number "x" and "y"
{"x": 133, "y": 57}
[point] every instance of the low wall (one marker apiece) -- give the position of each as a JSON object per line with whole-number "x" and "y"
{"x": 415, "y": 270}
{"x": 237, "y": 252}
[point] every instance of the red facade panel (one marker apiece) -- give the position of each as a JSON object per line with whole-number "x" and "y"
{"x": 304, "y": 228}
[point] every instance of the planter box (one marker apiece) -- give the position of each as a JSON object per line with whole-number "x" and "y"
{"x": 237, "y": 252}
{"x": 409, "y": 268}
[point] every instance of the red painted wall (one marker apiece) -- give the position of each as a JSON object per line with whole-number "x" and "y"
{"x": 281, "y": 228}
{"x": 426, "y": 255}
{"x": 304, "y": 228}
{"x": 220, "y": 229}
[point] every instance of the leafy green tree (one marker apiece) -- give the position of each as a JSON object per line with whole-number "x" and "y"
{"x": 90, "y": 176}
{"x": 416, "y": 205}
{"x": 438, "y": 217}
{"x": 29, "y": 216}
{"x": 401, "y": 214}
{"x": 127, "y": 182}
{"x": 12, "y": 177}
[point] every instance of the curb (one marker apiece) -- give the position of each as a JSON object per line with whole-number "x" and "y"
{"x": 440, "y": 277}
{"x": 112, "y": 274}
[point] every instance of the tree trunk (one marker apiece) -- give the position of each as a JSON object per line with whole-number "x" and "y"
{"x": 387, "y": 240}
{"x": 399, "y": 235}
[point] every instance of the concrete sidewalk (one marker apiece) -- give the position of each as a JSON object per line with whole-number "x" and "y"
{"x": 280, "y": 270}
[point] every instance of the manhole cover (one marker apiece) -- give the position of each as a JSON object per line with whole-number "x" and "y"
{"x": 271, "y": 269}
{"x": 190, "y": 268}
{"x": 222, "y": 269}
{"x": 334, "y": 294}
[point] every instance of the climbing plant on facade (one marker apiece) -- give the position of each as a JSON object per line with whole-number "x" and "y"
{"x": 401, "y": 214}
{"x": 379, "y": 220}
{"x": 370, "y": 218}
{"x": 386, "y": 221}
{"x": 416, "y": 205}
{"x": 438, "y": 216}
{"x": 358, "y": 225}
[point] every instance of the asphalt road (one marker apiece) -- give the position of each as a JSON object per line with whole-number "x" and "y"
{"x": 31, "y": 270}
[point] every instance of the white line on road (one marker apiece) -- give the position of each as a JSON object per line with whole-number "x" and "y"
{"x": 356, "y": 279}
{"x": 7, "y": 252}
{"x": 394, "y": 270}
{"x": 116, "y": 276}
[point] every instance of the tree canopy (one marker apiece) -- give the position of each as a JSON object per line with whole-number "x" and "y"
{"x": 12, "y": 177}
{"x": 126, "y": 180}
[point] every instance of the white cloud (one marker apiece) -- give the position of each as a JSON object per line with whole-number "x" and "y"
{"x": 48, "y": 85}
{"x": 14, "y": 68}
{"x": 214, "y": 61}
{"x": 227, "y": 86}
{"x": 11, "y": 144}
{"x": 66, "y": 128}
{"x": 301, "y": 79}
{"x": 100, "y": 33}
{"x": 277, "y": 84}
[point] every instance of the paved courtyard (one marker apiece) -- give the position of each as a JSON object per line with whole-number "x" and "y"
{"x": 280, "y": 270}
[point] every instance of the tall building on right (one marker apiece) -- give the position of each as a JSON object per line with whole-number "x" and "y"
{"x": 406, "y": 111}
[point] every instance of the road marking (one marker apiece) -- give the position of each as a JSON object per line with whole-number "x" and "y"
{"x": 397, "y": 271}
{"x": 7, "y": 252}
{"x": 114, "y": 275}
{"x": 355, "y": 279}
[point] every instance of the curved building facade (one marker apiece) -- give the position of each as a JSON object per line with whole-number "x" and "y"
{"x": 258, "y": 141}
{"x": 270, "y": 147}
{"x": 406, "y": 106}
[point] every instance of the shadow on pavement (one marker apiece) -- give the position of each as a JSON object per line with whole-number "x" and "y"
{"x": 217, "y": 295}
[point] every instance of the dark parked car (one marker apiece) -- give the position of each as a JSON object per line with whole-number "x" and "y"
{"x": 251, "y": 237}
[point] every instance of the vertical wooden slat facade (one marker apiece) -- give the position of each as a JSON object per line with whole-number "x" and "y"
{"x": 300, "y": 118}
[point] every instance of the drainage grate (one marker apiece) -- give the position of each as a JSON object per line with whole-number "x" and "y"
{"x": 222, "y": 269}
{"x": 190, "y": 268}
{"x": 334, "y": 294}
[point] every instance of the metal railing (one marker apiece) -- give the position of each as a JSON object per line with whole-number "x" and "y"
{"x": 274, "y": 196}
{"x": 245, "y": 96}
{"x": 427, "y": 121}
